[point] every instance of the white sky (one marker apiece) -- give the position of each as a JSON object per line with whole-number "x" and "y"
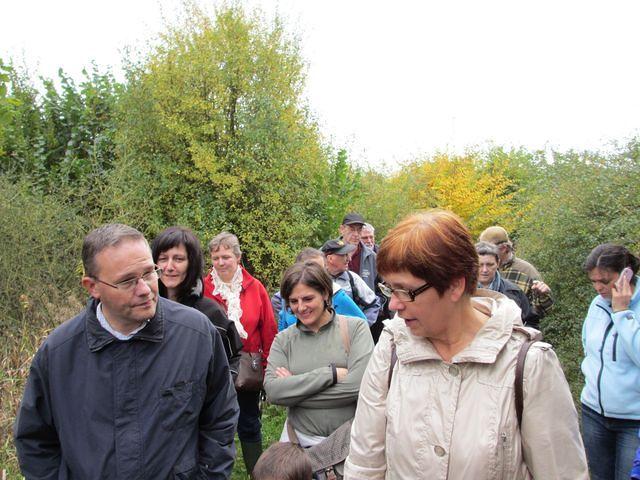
{"x": 393, "y": 80}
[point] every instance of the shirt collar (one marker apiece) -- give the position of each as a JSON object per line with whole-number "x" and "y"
{"x": 99, "y": 336}
{"x": 104, "y": 323}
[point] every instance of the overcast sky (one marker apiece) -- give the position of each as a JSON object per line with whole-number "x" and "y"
{"x": 395, "y": 80}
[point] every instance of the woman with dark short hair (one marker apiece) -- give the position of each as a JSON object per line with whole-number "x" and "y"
{"x": 437, "y": 400}
{"x": 611, "y": 366}
{"x": 177, "y": 251}
{"x": 315, "y": 366}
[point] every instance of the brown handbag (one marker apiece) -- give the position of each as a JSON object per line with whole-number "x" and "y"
{"x": 250, "y": 372}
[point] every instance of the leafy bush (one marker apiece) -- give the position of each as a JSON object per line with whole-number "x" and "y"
{"x": 39, "y": 286}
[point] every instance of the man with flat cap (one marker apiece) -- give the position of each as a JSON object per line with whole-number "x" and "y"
{"x": 522, "y": 273}
{"x": 337, "y": 253}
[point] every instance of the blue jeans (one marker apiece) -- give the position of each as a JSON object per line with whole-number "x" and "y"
{"x": 610, "y": 444}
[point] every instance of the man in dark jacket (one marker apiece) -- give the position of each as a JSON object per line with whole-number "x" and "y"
{"x": 520, "y": 272}
{"x": 489, "y": 277}
{"x": 363, "y": 259}
{"x": 135, "y": 386}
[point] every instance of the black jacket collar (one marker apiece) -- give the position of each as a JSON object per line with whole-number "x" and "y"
{"x": 98, "y": 337}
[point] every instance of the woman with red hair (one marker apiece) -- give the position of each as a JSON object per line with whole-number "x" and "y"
{"x": 437, "y": 399}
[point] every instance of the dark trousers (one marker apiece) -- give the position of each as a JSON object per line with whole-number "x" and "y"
{"x": 249, "y": 424}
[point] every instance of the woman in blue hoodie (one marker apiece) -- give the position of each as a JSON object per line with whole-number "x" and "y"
{"x": 611, "y": 367}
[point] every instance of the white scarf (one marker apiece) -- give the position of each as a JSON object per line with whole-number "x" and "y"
{"x": 230, "y": 292}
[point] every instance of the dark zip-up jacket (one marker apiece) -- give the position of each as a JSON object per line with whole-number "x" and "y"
{"x": 158, "y": 406}
{"x": 512, "y": 291}
{"x": 226, "y": 328}
{"x": 611, "y": 366}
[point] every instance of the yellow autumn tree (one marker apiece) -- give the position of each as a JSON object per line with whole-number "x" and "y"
{"x": 460, "y": 184}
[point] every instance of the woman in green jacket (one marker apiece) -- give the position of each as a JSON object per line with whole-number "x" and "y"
{"x": 315, "y": 367}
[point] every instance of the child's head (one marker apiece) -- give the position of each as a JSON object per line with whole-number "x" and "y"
{"x": 283, "y": 461}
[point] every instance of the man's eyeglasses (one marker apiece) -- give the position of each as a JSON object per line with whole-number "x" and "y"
{"x": 130, "y": 284}
{"x": 402, "y": 294}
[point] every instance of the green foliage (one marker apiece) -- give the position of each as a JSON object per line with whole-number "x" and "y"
{"x": 385, "y": 199}
{"x": 39, "y": 286}
{"x": 217, "y": 137}
{"x": 581, "y": 201}
{"x": 7, "y": 104}
{"x": 40, "y": 252}
{"x": 344, "y": 188}
{"x": 481, "y": 192}
{"x": 63, "y": 141}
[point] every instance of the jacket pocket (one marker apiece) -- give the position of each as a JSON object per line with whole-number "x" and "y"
{"x": 180, "y": 405}
{"x": 187, "y": 471}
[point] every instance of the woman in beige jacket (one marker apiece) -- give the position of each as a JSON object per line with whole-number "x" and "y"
{"x": 448, "y": 409}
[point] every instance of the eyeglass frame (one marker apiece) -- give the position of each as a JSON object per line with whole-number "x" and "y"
{"x": 387, "y": 291}
{"x": 134, "y": 281}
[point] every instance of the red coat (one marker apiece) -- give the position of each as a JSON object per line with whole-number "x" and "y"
{"x": 257, "y": 313}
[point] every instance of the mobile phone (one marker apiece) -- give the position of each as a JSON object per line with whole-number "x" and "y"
{"x": 625, "y": 274}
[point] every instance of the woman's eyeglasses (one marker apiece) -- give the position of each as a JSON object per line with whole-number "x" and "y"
{"x": 402, "y": 294}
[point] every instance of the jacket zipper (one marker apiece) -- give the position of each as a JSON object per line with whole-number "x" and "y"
{"x": 604, "y": 339}
{"x": 503, "y": 463}
{"x": 615, "y": 343}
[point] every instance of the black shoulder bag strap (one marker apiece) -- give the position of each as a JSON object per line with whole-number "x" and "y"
{"x": 519, "y": 380}
{"x": 354, "y": 293}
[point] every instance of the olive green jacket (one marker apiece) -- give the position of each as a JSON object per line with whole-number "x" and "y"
{"x": 317, "y": 405}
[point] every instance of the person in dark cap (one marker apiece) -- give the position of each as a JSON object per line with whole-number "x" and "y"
{"x": 363, "y": 259}
{"x": 522, "y": 273}
{"x": 337, "y": 253}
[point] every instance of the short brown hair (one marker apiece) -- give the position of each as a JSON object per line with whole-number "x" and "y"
{"x": 310, "y": 274}
{"x": 435, "y": 246}
{"x": 283, "y": 461}
{"x": 109, "y": 235}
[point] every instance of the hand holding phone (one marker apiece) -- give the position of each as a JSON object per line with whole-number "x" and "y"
{"x": 625, "y": 276}
{"x": 621, "y": 292}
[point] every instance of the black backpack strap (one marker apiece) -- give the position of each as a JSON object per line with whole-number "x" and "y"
{"x": 519, "y": 379}
{"x": 354, "y": 293}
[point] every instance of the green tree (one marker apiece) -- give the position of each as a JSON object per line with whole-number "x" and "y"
{"x": 7, "y": 104}
{"x": 344, "y": 189}
{"x": 62, "y": 139}
{"x": 217, "y": 136}
{"x": 582, "y": 199}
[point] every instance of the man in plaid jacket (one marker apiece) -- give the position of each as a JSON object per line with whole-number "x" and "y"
{"x": 522, "y": 273}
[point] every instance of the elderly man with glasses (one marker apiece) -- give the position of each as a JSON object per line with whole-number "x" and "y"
{"x": 135, "y": 386}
